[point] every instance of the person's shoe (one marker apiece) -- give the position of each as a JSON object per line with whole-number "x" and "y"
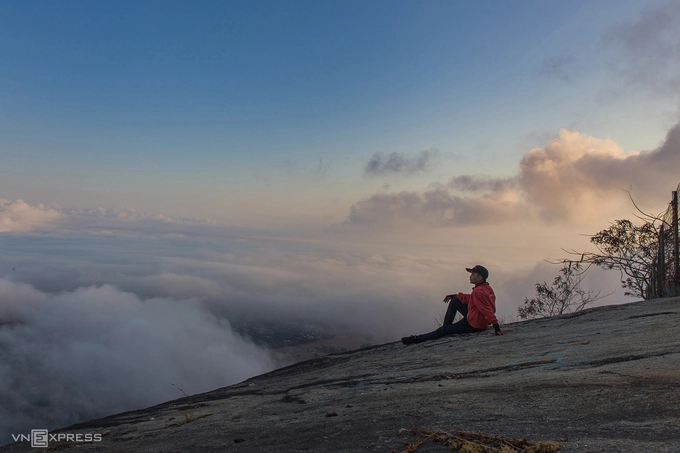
{"x": 409, "y": 340}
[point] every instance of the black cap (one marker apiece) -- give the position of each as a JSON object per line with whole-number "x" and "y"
{"x": 481, "y": 270}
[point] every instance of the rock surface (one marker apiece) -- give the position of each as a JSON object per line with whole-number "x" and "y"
{"x": 602, "y": 380}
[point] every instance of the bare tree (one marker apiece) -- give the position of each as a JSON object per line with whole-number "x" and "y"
{"x": 563, "y": 295}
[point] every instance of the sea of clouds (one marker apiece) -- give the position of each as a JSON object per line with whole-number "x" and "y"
{"x": 95, "y": 324}
{"x": 111, "y": 319}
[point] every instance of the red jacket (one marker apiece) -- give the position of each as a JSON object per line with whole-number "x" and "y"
{"x": 481, "y": 306}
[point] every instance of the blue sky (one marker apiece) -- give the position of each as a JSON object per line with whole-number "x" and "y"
{"x": 202, "y": 109}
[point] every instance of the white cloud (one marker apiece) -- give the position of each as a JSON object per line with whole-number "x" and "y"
{"x": 435, "y": 208}
{"x": 19, "y": 216}
{"x": 17, "y": 300}
{"x": 95, "y": 351}
{"x": 575, "y": 178}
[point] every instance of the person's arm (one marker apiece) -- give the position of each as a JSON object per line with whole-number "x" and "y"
{"x": 465, "y": 298}
{"x": 485, "y": 305}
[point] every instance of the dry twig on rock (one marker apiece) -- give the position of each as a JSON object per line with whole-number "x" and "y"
{"x": 469, "y": 442}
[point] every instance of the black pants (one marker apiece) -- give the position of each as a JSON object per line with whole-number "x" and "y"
{"x": 449, "y": 328}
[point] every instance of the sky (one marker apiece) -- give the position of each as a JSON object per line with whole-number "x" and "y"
{"x": 172, "y": 168}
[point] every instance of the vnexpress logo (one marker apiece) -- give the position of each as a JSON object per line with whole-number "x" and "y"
{"x": 41, "y": 438}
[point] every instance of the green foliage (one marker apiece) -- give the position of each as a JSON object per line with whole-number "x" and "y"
{"x": 563, "y": 295}
{"x": 631, "y": 250}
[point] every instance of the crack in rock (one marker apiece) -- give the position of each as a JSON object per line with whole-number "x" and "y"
{"x": 647, "y": 315}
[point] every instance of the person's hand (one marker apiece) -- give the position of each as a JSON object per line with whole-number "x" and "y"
{"x": 448, "y": 298}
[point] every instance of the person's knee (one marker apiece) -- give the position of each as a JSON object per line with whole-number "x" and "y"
{"x": 458, "y": 305}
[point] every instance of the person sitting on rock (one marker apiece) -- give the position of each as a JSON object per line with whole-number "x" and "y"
{"x": 478, "y": 310}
